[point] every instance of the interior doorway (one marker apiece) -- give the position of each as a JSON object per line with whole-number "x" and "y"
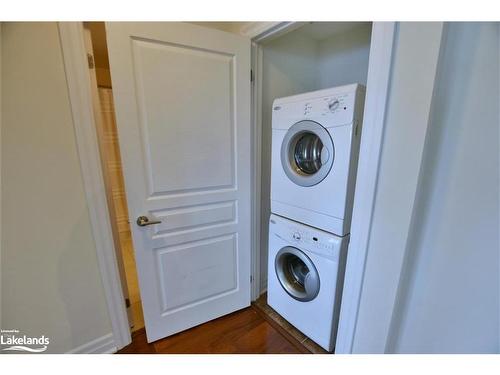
{"x": 107, "y": 134}
{"x": 380, "y": 57}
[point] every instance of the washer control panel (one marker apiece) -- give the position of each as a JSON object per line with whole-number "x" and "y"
{"x": 306, "y": 238}
{"x": 316, "y": 242}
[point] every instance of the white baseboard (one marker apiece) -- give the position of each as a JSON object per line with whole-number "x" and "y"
{"x": 102, "y": 345}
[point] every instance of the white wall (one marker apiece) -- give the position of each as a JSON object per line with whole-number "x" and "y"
{"x": 446, "y": 297}
{"x": 343, "y": 59}
{"x": 450, "y": 301}
{"x": 49, "y": 273}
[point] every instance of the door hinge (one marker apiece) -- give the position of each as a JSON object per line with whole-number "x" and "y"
{"x": 251, "y": 279}
{"x": 90, "y": 60}
{"x": 127, "y": 303}
{"x": 251, "y": 75}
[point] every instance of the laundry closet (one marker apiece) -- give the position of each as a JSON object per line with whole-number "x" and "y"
{"x": 200, "y": 230}
{"x": 314, "y": 56}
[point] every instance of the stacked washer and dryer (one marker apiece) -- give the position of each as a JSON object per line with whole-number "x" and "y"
{"x": 315, "y": 145}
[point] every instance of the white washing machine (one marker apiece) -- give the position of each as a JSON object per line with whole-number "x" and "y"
{"x": 315, "y": 145}
{"x": 305, "y": 278}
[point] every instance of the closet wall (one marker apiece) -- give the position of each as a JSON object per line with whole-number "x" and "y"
{"x": 313, "y": 57}
{"x": 342, "y": 59}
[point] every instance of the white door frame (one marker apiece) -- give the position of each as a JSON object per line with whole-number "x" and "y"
{"x": 377, "y": 92}
{"x": 72, "y": 43}
{"x": 80, "y": 95}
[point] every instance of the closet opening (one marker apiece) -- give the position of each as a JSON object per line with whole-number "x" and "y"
{"x": 107, "y": 134}
{"x": 312, "y": 56}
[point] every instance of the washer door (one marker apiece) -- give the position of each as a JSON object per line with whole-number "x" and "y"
{"x": 297, "y": 274}
{"x": 307, "y": 153}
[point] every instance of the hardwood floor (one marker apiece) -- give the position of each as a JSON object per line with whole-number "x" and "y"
{"x": 286, "y": 328}
{"x": 242, "y": 332}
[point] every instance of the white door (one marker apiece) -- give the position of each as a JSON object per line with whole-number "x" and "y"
{"x": 182, "y": 98}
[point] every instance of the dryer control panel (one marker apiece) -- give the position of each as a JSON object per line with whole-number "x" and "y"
{"x": 307, "y": 238}
{"x": 328, "y": 105}
{"x": 331, "y": 107}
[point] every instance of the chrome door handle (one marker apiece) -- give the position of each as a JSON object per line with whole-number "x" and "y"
{"x": 143, "y": 221}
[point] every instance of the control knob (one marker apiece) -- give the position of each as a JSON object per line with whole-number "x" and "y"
{"x": 333, "y": 104}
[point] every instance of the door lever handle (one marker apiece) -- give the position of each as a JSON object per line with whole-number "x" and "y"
{"x": 143, "y": 221}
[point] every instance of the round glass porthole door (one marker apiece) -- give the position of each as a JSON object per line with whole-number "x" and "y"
{"x": 297, "y": 274}
{"x": 307, "y": 153}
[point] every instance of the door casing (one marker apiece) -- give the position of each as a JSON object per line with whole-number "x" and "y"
{"x": 75, "y": 60}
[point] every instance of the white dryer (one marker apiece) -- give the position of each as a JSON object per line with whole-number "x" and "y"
{"x": 315, "y": 144}
{"x": 305, "y": 277}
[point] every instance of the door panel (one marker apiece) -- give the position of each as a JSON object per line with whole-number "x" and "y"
{"x": 196, "y": 101}
{"x": 199, "y": 270}
{"x": 196, "y": 217}
{"x": 182, "y": 95}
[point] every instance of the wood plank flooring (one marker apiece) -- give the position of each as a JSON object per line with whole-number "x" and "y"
{"x": 277, "y": 321}
{"x": 242, "y": 332}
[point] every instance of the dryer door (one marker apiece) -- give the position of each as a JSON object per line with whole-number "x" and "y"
{"x": 307, "y": 153}
{"x": 297, "y": 274}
